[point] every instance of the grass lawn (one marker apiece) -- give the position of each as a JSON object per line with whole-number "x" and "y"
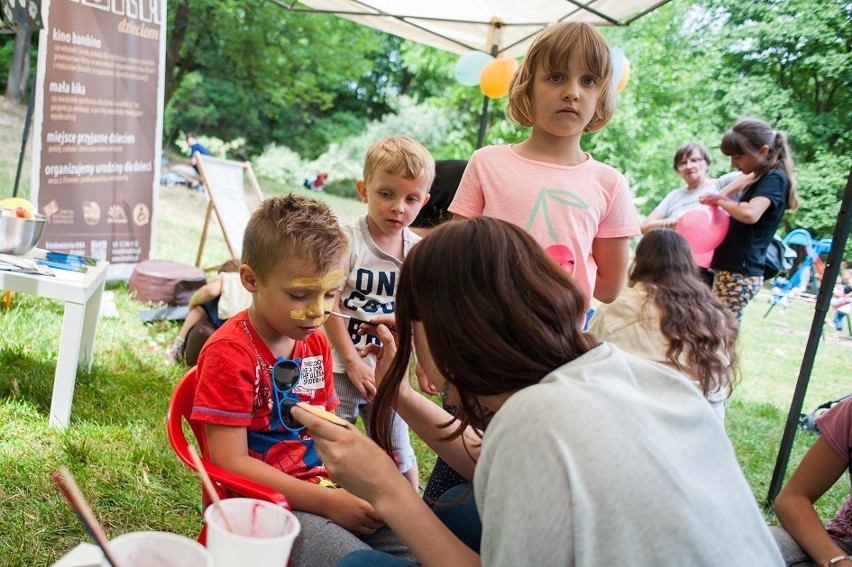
{"x": 117, "y": 447}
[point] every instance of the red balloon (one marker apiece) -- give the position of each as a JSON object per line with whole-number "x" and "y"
{"x": 704, "y": 227}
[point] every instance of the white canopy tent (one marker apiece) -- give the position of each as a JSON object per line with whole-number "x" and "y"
{"x": 498, "y": 27}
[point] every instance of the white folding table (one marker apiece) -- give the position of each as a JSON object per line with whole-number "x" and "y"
{"x": 81, "y": 293}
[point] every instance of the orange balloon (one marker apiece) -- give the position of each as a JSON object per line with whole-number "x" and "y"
{"x": 625, "y": 76}
{"x": 495, "y": 77}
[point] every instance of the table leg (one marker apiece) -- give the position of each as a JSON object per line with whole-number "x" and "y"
{"x": 90, "y": 323}
{"x": 70, "y": 347}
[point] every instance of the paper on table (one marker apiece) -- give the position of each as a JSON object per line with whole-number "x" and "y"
{"x": 10, "y": 263}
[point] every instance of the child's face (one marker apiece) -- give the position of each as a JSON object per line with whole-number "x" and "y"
{"x": 295, "y": 299}
{"x": 393, "y": 201}
{"x": 748, "y": 163}
{"x": 564, "y": 102}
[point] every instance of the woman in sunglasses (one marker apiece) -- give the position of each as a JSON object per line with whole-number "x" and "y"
{"x": 590, "y": 456}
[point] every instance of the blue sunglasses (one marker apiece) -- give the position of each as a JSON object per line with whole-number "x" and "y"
{"x": 285, "y": 376}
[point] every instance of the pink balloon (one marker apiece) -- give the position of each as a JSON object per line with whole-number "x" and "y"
{"x": 703, "y": 259}
{"x": 704, "y": 227}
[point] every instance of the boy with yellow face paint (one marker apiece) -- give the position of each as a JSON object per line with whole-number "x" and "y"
{"x": 398, "y": 173}
{"x": 273, "y": 355}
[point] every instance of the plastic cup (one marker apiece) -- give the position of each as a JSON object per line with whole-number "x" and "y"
{"x": 263, "y": 533}
{"x": 158, "y": 549}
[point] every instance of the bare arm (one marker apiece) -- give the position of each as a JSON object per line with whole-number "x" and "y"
{"x": 422, "y": 415}
{"x": 747, "y": 212}
{"x": 610, "y": 255}
{"x": 207, "y": 292}
{"x": 359, "y": 464}
{"x": 359, "y": 372}
{"x": 656, "y": 220}
{"x": 738, "y": 185}
{"x": 818, "y": 471}
{"x": 228, "y": 448}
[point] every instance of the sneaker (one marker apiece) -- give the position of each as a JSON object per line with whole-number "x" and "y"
{"x": 174, "y": 353}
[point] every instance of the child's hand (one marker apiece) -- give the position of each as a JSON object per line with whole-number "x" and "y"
{"x": 362, "y": 377}
{"x": 354, "y": 514}
{"x": 714, "y": 199}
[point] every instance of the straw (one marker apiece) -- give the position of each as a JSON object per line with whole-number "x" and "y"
{"x": 65, "y": 481}
{"x": 208, "y": 486}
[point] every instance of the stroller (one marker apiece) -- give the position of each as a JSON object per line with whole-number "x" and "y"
{"x": 807, "y": 421}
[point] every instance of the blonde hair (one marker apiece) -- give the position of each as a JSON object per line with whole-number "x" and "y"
{"x": 551, "y": 51}
{"x": 293, "y": 227}
{"x": 402, "y": 155}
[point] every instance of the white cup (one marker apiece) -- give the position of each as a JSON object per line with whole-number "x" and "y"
{"x": 158, "y": 549}
{"x": 263, "y": 533}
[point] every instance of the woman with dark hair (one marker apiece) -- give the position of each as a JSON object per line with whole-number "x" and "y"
{"x": 738, "y": 263}
{"x": 591, "y": 456}
{"x": 667, "y": 314}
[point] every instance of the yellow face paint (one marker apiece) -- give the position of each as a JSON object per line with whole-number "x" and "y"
{"x": 321, "y": 305}
{"x": 327, "y": 282}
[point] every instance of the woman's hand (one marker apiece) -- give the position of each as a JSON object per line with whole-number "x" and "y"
{"x": 352, "y": 459}
{"x": 384, "y": 354}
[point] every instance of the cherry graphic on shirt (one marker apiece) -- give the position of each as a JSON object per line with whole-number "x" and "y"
{"x": 563, "y": 256}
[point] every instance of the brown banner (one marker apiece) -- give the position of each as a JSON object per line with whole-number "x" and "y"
{"x": 98, "y": 125}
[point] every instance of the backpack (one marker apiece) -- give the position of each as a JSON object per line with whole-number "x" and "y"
{"x": 777, "y": 258}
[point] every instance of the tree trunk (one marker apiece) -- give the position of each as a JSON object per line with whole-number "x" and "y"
{"x": 19, "y": 68}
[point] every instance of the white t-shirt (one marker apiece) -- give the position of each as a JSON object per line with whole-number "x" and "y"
{"x": 678, "y": 201}
{"x": 369, "y": 288}
{"x": 614, "y": 460}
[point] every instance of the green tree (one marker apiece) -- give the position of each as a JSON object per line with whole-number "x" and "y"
{"x": 270, "y": 75}
{"x": 790, "y": 63}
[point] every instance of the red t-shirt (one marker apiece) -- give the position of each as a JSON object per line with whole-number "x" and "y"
{"x": 235, "y": 388}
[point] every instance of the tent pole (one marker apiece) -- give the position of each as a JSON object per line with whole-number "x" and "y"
{"x": 483, "y": 122}
{"x": 832, "y": 268}
{"x": 26, "y": 135}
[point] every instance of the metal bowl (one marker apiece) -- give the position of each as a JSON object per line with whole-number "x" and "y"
{"x": 19, "y": 236}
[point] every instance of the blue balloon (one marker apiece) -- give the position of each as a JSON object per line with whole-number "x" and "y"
{"x": 618, "y": 58}
{"x": 469, "y": 67}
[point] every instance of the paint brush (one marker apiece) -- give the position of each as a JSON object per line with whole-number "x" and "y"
{"x": 65, "y": 481}
{"x": 357, "y": 320}
{"x": 208, "y": 486}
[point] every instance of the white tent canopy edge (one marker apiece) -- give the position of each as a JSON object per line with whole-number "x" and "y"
{"x": 460, "y": 27}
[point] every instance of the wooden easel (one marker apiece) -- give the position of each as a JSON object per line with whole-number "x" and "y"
{"x": 224, "y": 182}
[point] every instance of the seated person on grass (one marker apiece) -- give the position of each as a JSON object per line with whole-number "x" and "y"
{"x": 803, "y": 540}
{"x": 209, "y": 307}
{"x": 292, "y": 265}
